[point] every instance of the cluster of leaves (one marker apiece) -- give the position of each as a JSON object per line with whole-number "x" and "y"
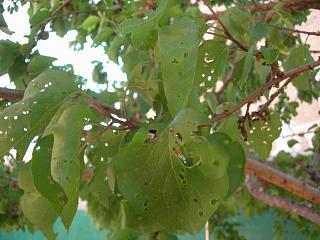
{"x": 11, "y": 217}
{"x": 163, "y": 175}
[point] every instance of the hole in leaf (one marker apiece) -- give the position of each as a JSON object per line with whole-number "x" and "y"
{"x": 179, "y": 137}
{"x": 181, "y": 176}
{"x": 175, "y": 61}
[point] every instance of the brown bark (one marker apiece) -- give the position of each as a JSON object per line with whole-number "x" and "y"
{"x": 11, "y": 94}
{"x": 283, "y": 180}
{"x": 298, "y": 208}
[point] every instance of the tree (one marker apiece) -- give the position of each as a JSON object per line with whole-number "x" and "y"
{"x": 202, "y": 157}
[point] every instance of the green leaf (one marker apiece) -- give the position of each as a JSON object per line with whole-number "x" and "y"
{"x": 40, "y": 16}
{"x": 262, "y": 133}
{"x": 229, "y": 127}
{"x": 4, "y": 26}
{"x": 103, "y": 35}
{"x": 41, "y": 173}
{"x": 139, "y": 29}
{"x": 236, "y": 166}
{"x": 99, "y": 187}
{"x": 40, "y": 63}
{"x": 36, "y": 208}
{"x": 125, "y": 234}
{"x": 18, "y": 72}
{"x": 270, "y": 55}
{"x": 98, "y": 73}
{"x": 237, "y": 22}
{"x": 178, "y": 50}
{"x": 65, "y": 163}
{"x": 113, "y": 50}
{"x": 21, "y": 122}
{"x": 247, "y": 66}
{"x": 259, "y": 30}
{"x": 9, "y": 51}
{"x": 212, "y": 60}
{"x": 298, "y": 56}
{"x": 292, "y": 142}
{"x": 163, "y": 189}
{"x": 142, "y": 77}
{"x": 186, "y": 121}
{"x": 90, "y": 23}
{"x": 237, "y": 159}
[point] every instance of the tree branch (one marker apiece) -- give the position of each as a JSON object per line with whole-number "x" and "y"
{"x": 279, "y": 202}
{"x": 282, "y": 180}
{"x": 290, "y": 5}
{"x": 11, "y": 94}
{"x": 290, "y": 74}
{"x": 16, "y": 95}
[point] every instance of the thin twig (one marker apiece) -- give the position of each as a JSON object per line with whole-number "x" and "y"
{"x": 217, "y": 34}
{"x": 296, "y": 30}
{"x": 289, "y": 5}
{"x": 280, "y": 90}
{"x": 44, "y": 24}
{"x": 292, "y": 73}
{"x": 225, "y": 30}
{"x": 300, "y": 134}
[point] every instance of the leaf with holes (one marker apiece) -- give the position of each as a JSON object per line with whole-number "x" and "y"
{"x": 212, "y": 60}
{"x": 36, "y": 208}
{"x": 139, "y": 29}
{"x": 261, "y": 134}
{"x": 41, "y": 173}
{"x": 65, "y": 163}
{"x": 171, "y": 184}
{"x": 21, "y": 122}
{"x": 178, "y": 51}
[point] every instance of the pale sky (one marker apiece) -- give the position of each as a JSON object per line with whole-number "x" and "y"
{"x": 58, "y": 47}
